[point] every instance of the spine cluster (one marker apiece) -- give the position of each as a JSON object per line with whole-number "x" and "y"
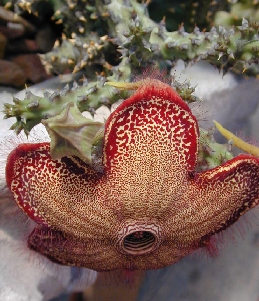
{"x": 114, "y": 38}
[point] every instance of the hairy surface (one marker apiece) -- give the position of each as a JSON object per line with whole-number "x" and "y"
{"x": 149, "y": 208}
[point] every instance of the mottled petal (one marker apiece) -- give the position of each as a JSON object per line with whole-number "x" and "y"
{"x": 225, "y": 192}
{"x": 49, "y": 190}
{"x": 70, "y": 250}
{"x": 152, "y": 126}
{"x": 147, "y": 207}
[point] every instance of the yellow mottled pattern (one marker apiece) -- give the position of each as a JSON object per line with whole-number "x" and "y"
{"x": 148, "y": 186}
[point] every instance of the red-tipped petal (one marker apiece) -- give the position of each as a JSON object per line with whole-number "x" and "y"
{"x": 224, "y": 194}
{"x": 155, "y": 119}
{"x": 24, "y": 156}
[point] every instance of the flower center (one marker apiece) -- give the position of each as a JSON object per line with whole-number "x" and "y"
{"x": 139, "y": 242}
{"x": 138, "y": 237}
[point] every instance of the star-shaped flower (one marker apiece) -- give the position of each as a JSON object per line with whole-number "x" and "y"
{"x": 149, "y": 207}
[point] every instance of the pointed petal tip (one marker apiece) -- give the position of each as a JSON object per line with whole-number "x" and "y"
{"x": 238, "y": 142}
{"x": 124, "y": 86}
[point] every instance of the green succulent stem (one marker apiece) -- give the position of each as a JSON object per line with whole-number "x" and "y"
{"x": 87, "y": 97}
{"x": 114, "y": 39}
{"x": 130, "y": 32}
